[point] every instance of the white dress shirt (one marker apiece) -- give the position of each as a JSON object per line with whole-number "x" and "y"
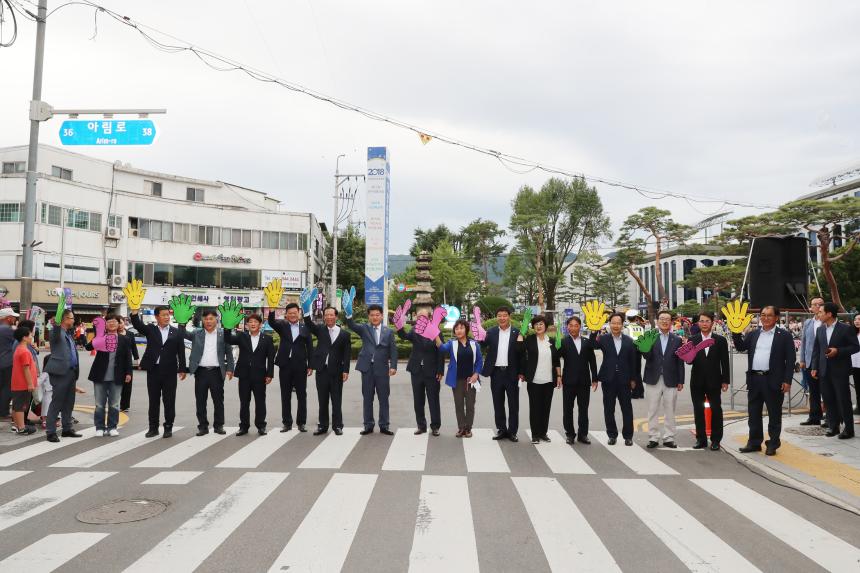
{"x": 704, "y": 338}
{"x": 617, "y": 340}
{"x": 664, "y": 340}
{"x": 544, "y": 371}
{"x": 504, "y": 343}
{"x": 577, "y": 342}
{"x": 333, "y": 333}
{"x": 255, "y": 340}
{"x": 164, "y": 332}
{"x": 855, "y": 358}
{"x": 209, "y": 358}
{"x": 761, "y": 359}
{"x": 828, "y": 331}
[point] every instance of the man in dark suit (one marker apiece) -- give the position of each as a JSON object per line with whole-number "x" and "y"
{"x": 426, "y": 366}
{"x": 377, "y": 363}
{"x": 618, "y": 375}
{"x": 163, "y": 359}
{"x": 210, "y": 361}
{"x": 504, "y": 365}
{"x": 709, "y": 375}
{"x": 664, "y": 379}
{"x": 125, "y": 398}
{"x": 807, "y": 341}
{"x": 580, "y": 370}
{"x": 331, "y": 361}
{"x": 294, "y": 358}
{"x": 770, "y": 361}
{"x": 62, "y": 368}
{"x": 109, "y": 373}
{"x": 835, "y": 342}
{"x": 255, "y": 368}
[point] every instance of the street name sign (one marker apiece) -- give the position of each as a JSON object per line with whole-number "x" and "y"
{"x": 107, "y": 132}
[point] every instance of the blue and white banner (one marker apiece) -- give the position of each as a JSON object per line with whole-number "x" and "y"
{"x": 376, "y": 241}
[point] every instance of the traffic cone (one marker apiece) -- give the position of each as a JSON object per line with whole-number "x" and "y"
{"x": 707, "y": 417}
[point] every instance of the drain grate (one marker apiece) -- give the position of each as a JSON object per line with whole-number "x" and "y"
{"x": 122, "y": 511}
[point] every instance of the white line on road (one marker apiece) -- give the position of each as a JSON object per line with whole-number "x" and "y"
{"x": 258, "y": 450}
{"x": 189, "y": 545}
{"x": 51, "y": 552}
{"x": 48, "y": 496}
{"x": 172, "y": 478}
{"x": 324, "y": 537}
{"x": 408, "y": 452}
{"x": 333, "y": 450}
{"x": 569, "y": 543}
{"x": 822, "y": 547}
{"x": 183, "y": 450}
{"x": 42, "y": 447}
{"x": 699, "y": 548}
{"x": 483, "y": 453}
{"x": 634, "y": 457}
{"x": 110, "y": 450}
{"x": 12, "y": 475}
{"x": 560, "y": 456}
{"x": 444, "y": 538}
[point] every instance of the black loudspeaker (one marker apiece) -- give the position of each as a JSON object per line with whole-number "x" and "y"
{"x": 779, "y": 274}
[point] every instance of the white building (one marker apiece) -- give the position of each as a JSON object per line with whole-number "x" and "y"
{"x": 100, "y": 224}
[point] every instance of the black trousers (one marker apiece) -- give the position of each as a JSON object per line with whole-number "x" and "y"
{"x": 540, "y": 402}
{"x": 579, "y": 394}
{"x": 62, "y": 401}
{"x": 5, "y": 390}
{"x": 209, "y": 381}
{"x": 814, "y": 387}
{"x": 837, "y": 398}
{"x": 125, "y": 397}
{"x": 762, "y": 395}
{"x": 161, "y": 387}
{"x": 505, "y": 384}
{"x": 855, "y": 372}
{"x": 618, "y": 390}
{"x": 698, "y": 392}
{"x": 256, "y": 386}
{"x": 330, "y": 389}
{"x": 424, "y": 385}
{"x": 294, "y": 380}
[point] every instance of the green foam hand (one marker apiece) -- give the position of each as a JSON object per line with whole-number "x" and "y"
{"x": 231, "y": 314}
{"x": 61, "y": 306}
{"x": 182, "y": 308}
{"x": 646, "y": 342}
{"x": 525, "y": 325}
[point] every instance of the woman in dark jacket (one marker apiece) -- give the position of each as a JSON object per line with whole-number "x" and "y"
{"x": 543, "y": 375}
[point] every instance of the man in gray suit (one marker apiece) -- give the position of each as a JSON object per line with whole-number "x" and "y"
{"x": 211, "y": 360}
{"x": 664, "y": 379}
{"x": 62, "y": 368}
{"x": 807, "y": 342}
{"x": 377, "y": 363}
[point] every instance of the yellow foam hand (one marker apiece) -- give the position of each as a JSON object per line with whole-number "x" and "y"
{"x": 595, "y": 315}
{"x": 134, "y": 293}
{"x": 273, "y": 291}
{"x": 737, "y": 319}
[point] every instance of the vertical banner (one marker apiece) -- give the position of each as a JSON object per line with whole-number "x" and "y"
{"x": 376, "y": 241}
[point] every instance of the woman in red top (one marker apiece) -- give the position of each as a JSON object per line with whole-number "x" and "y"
{"x": 24, "y": 375}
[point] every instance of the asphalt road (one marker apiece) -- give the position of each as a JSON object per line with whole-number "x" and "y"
{"x": 296, "y": 502}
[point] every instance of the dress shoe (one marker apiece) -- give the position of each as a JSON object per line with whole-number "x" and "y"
{"x": 467, "y": 434}
{"x": 628, "y": 442}
{"x": 545, "y": 438}
{"x": 612, "y": 441}
{"x": 202, "y": 432}
{"x": 152, "y": 433}
{"x": 286, "y": 428}
{"x": 845, "y": 436}
{"x": 584, "y": 440}
{"x": 168, "y": 432}
{"x": 715, "y": 446}
{"x": 365, "y": 432}
{"x": 221, "y": 431}
{"x": 459, "y": 433}
{"x": 262, "y": 431}
{"x": 671, "y": 445}
{"x": 700, "y": 445}
{"x": 435, "y": 432}
{"x": 338, "y": 432}
{"x": 420, "y": 431}
{"x": 71, "y": 434}
{"x": 831, "y": 433}
{"x": 386, "y": 431}
{"x": 570, "y": 439}
{"x": 500, "y": 435}
{"x": 770, "y": 451}
{"x": 513, "y": 438}
{"x": 242, "y": 431}
{"x": 748, "y": 448}
{"x": 320, "y": 431}
{"x": 823, "y": 424}
{"x": 52, "y": 438}
{"x": 810, "y": 422}
{"x": 651, "y": 445}
{"x": 302, "y": 428}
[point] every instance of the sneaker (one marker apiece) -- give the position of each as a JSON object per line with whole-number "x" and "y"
{"x": 26, "y": 431}
{"x": 113, "y": 433}
{"x": 100, "y": 433}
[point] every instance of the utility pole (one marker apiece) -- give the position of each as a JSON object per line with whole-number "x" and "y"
{"x": 32, "y": 160}
{"x": 349, "y": 199}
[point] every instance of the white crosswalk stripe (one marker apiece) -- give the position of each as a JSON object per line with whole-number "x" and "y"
{"x": 568, "y": 541}
{"x": 46, "y": 497}
{"x": 634, "y": 457}
{"x": 337, "y": 512}
{"x": 483, "y": 453}
{"x": 258, "y": 450}
{"x": 444, "y": 538}
{"x": 560, "y": 456}
{"x": 184, "y": 450}
{"x": 110, "y": 450}
{"x": 696, "y": 546}
{"x": 41, "y": 447}
{"x": 12, "y": 475}
{"x": 333, "y": 450}
{"x": 189, "y": 545}
{"x": 51, "y": 552}
{"x": 826, "y": 549}
{"x": 408, "y": 452}
{"x": 172, "y": 478}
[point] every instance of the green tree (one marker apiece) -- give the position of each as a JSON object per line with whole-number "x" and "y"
{"x": 480, "y": 242}
{"x": 453, "y": 275}
{"x": 553, "y": 226}
{"x": 427, "y": 240}
{"x": 845, "y": 271}
{"x": 350, "y": 260}
{"x": 519, "y": 278}
{"x": 610, "y": 284}
{"x": 716, "y": 279}
{"x": 583, "y": 276}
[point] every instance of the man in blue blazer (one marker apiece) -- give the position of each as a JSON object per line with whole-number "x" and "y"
{"x": 770, "y": 360}
{"x": 377, "y": 363}
{"x": 664, "y": 380}
{"x": 835, "y": 342}
{"x": 618, "y": 375}
{"x": 504, "y": 366}
{"x": 807, "y": 341}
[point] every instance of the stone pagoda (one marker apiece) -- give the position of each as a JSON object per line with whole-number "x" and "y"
{"x": 423, "y": 297}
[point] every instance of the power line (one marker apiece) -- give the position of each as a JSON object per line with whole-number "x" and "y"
{"x": 511, "y": 162}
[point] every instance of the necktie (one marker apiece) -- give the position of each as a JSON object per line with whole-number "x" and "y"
{"x": 376, "y": 334}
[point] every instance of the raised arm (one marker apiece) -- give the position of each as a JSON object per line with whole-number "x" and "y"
{"x": 185, "y": 334}
{"x": 277, "y": 325}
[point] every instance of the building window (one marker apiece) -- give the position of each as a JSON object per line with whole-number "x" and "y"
{"x": 10, "y": 167}
{"x": 236, "y": 240}
{"x": 226, "y": 236}
{"x": 180, "y": 232}
{"x": 116, "y": 222}
{"x": 166, "y": 231}
{"x": 194, "y": 194}
{"x": 270, "y": 240}
{"x": 155, "y": 230}
{"x": 11, "y": 212}
{"x": 61, "y": 172}
{"x": 95, "y": 222}
{"x": 144, "y": 228}
{"x": 255, "y": 239}
{"x": 77, "y": 219}
{"x": 246, "y": 239}
{"x": 113, "y": 268}
{"x": 152, "y": 188}
{"x": 162, "y": 275}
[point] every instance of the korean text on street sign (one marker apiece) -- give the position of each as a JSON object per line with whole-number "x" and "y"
{"x": 107, "y": 132}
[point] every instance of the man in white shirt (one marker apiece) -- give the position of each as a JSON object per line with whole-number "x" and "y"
{"x": 664, "y": 378}
{"x": 807, "y": 341}
{"x": 835, "y": 342}
{"x": 504, "y": 365}
{"x": 330, "y": 359}
{"x": 255, "y": 368}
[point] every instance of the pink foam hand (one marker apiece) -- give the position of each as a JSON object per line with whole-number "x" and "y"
{"x": 429, "y": 327}
{"x": 99, "y": 341}
{"x": 687, "y": 352}
{"x": 478, "y": 332}
{"x": 400, "y": 314}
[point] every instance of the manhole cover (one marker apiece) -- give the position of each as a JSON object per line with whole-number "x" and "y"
{"x": 807, "y": 430}
{"x": 122, "y": 511}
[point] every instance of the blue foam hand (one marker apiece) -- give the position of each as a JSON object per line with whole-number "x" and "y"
{"x": 307, "y": 298}
{"x": 346, "y": 301}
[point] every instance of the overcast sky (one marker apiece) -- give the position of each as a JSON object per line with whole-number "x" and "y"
{"x": 742, "y": 100}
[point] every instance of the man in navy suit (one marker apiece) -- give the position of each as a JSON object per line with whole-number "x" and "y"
{"x": 619, "y": 373}
{"x": 580, "y": 369}
{"x": 504, "y": 366}
{"x": 294, "y": 365}
{"x": 770, "y": 365}
{"x": 377, "y": 363}
{"x": 664, "y": 379}
{"x": 835, "y": 342}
